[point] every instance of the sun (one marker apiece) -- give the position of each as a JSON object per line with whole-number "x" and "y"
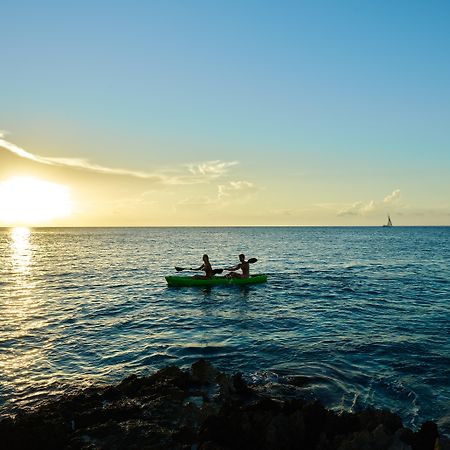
{"x": 29, "y": 201}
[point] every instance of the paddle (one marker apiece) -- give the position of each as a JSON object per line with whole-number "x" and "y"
{"x": 180, "y": 269}
{"x": 216, "y": 271}
{"x": 250, "y": 261}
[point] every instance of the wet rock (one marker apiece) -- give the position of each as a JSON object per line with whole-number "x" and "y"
{"x": 203, "y": 409}
{"x": 299, "y": 380}
{"x": 370, "y": 418}
{"x": 33, "y": 432}
{"x": 233, "y": 387}
{"x": 442, "y": 443}
{"x": 226, "y": 386}
{"x": 400, "y": 439}
{"x": 425, "y": 438}
{"x": 342, "y": 424}
{"x": 112, "y": 393}
{"x": 240, "y": 386}
{"x": 203, "y": 372}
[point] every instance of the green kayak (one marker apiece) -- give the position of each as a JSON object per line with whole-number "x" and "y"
{"x": 214, "y": 281}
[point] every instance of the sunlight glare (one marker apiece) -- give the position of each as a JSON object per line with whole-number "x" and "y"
{"x": 28, "y": 201}
{"x": 20, "y": 245}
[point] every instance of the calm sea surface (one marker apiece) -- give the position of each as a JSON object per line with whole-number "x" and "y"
{"x": 363, "y": 312}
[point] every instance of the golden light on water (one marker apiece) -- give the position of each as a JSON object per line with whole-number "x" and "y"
{"x": 29, "y": 201}
{"x": 20, "y": 309}
{"x": 20, "y": 248}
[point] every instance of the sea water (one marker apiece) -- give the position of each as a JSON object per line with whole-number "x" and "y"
{"x": 362, "y": 313}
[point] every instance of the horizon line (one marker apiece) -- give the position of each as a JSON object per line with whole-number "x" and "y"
{"x": 6, "y": 227}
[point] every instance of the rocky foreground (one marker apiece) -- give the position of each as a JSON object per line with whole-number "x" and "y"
{"x": 204, "y": 409}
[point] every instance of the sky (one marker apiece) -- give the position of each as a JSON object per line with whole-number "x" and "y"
{"x": 161, "y": 113}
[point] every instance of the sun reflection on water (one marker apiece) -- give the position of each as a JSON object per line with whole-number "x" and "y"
{"x": 20, "y": 248}
{"x": 22, "y": 313}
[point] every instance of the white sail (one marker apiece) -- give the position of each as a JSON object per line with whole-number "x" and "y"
{"x": 389, "y": 222}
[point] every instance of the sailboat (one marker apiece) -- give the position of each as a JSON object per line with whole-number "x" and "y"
{"x": 389, "y": 223}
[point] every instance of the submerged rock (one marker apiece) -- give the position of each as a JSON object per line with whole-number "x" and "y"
{"x": 203, "y": 409}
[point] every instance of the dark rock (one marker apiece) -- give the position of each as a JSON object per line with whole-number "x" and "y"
{"x": 103, "y": 430}
{"x": 443, "y": 443}
{"x": 111, "y": 393}
{"x": 203, "y": 372}
{"x": 100, "y": 415}
{"x": 226, "y": 386}
{"x": 371, "y": 418}
{"x": 342, "y": 424}
{"x": 175, "y": 409}
{"x": 315, "y": 417}
{"x": 425, "y": 438}
{"x": 299, "y": 380}
{"x": 31, "y": 432}
{"x": 240, "y": 386}
{"x": 185, "y": 435}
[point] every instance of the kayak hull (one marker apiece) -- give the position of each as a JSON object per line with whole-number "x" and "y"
{"x": 215, "y": 281}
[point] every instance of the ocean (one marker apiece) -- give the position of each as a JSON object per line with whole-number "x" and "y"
{"x": 362, "y": 313}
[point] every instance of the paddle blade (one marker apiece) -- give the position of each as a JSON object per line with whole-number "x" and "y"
{"x": 179, "y": 269}
{"x": 252, "y": 260}
{"x": 217, "y": 271}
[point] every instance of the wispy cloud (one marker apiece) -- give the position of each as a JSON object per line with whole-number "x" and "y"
{"x": 211, "y": 169}
{"x": 238, "y": 191}
{"x": 19, "y": 151}
{"x": 87, "y": 165}
{"x": 238, "y": 188}
{"x": 196, "y": 173}
{"x": 393, "y": 197}
{"x": 364, "y": 208}
{"x": 77, "y": 163}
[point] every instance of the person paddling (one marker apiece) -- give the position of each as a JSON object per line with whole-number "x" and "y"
{"x": 243, "y": 265}
{"x": 206, "y": 267}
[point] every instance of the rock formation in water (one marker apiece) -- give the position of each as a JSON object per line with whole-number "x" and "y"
{"x": 204, "y": 409}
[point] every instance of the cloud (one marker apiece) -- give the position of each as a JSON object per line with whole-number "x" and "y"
{"x": 393, "y": 197}
{"x": 371, "y": 207}
{"x": 211, "y": 169}
{"x": 76, "y": 163}
{"x": 238, "y": 188}
{"x": 237, "y": 191}
{"x": 352, "y": 210}
{"x": 197, "y": 173}
{"x": 85, "y": 164}
{"x": 19, "y": 151}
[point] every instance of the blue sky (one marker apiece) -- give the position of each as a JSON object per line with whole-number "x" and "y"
{"x": 338, "y": 101}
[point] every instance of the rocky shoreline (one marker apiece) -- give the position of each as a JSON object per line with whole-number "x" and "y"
{"x": 204, "y": 409}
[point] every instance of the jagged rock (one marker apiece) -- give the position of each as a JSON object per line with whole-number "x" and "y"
{"x": 442, "y": 444}
{"x": 240, "y": 386}
{"x": 400, "y": 439}
{"x": 425, "y": 438}
{"x": 203, "y": 372}
{"x": 176, "y": 409}
{"x": 226, "y": 386}
{"x": 299, "y": 380}
{"x": 371, "y": 418}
